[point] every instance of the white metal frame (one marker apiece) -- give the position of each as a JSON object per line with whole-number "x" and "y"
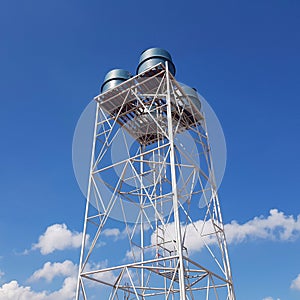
{"x": 156, "y": 191}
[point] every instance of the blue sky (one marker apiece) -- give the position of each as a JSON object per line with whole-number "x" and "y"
{"x": 242, "y": 56}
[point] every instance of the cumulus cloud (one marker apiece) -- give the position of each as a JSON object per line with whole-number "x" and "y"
{"x": 118, "y": 234}
{"x": 58, "y": 237}
{"x": 191, "y": 235}
{"x": 133, "y": 254}
{"x": 295, "y": 285}
{"x": 108, "y": 276}
{"x": 13, "y": 291}
{"x": 276, "y": 226}
{"x": 67, "y": 292}
{"x": 51, "y": 270}
{"x": 112, "y": 232}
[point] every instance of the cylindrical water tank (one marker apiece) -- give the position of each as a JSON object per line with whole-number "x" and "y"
{"x": 192, "y": 94}
{"x": 114, "y": 78}
{"x": 154, "y": 56}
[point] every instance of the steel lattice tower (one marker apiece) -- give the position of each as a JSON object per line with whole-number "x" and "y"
{"x": 151, "y": 166}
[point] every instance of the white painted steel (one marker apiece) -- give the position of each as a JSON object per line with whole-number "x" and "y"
{"x": 175, "y": 249}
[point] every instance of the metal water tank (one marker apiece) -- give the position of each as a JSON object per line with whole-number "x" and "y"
{"x": 154, "y": 56}
{"x": 113, "y": 78}
{"x": 192, "y": 94}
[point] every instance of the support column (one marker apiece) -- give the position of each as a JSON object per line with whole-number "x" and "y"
{"x": 174, "y": 190}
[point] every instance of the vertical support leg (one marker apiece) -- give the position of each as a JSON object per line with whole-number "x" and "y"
{"x": 142, "y": 218}
{"x": 174, "y": 190}
{"x": 225, "y": 256}
{"x": 79, "y": 282}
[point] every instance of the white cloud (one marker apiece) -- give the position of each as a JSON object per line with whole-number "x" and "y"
{"x": 192, "y": 233}
{"x": 58, "y": 237}
{"x": 12, "y": 291}
{"x": 1, "y": 274}
{"x": 67, "y": 292}
{"x": 295, "y": 285}
{"x": 118, "y": 234}
{"x": 133, "y": 254}
{"x": 277, "y": 226}
{"x": 108, "y": 276}
{"x": 51, "y": 270}
{"x": 111, "y": 232}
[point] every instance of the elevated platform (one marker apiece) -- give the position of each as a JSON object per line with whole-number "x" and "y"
{"x": 139, "y": 105}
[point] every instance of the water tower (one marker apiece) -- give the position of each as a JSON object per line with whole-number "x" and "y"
{"x": 153, "y": 226}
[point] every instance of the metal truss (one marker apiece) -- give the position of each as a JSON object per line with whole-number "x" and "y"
{"x": 153, "y": 226}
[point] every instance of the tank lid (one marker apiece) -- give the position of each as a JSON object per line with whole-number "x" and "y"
{"x": 117, "y": 74}
{"x": 155, "y": 52}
